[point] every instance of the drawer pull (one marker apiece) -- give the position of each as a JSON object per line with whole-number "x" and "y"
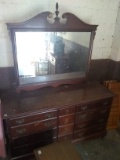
{"x": 79, "y": 135}
{"x": 49, "y": 124}
{"x": 66, "y": 130}
{"x": 84, "y": 107}
{"x": 82, "y": 116}
{"x": 49, "y": 115}
{"x": 81, "y": 126}
{"x": 66, "y": 121}
{"x": 21, "y": 131}
{"x": 105, "y": 103}
{"x": 100, "y": 128}
{"x": 67, "y": 111}
{"x": 20, "y": 121}
{"x": 103, "y": 111}
{"x": 101, "y": 120}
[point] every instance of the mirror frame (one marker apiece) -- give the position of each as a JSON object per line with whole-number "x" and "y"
{"x": 41, "y": 22}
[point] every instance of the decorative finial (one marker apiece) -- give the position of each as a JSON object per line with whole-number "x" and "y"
{"x": 56, "y": 12}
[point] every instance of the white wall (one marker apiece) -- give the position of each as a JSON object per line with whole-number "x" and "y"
{"x": 100, "y": 12}
{"x": 115, "y": 51}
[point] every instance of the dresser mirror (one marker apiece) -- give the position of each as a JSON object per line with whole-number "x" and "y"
{"x": 50, "y": 51}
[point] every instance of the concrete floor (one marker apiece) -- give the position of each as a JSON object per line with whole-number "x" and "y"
{"x": 107, "y": 148}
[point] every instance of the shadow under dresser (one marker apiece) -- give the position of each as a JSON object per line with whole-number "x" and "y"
{"x": 37, "y": 118}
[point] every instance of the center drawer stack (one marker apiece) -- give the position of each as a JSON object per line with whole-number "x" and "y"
{"x": 66, "y": 122}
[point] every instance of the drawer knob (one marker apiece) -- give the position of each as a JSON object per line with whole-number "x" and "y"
{"x": 49, "y": 115}
{"x": 84, "y": 107}
{"x": 49, "y": 124}
{"x": 105, "y": 103}
{"x": 66, "y": 130}
{"x": 79, "y": 135}
{"x": 67, "y": 111}
{"x": 21, "y": 131}
{"x": 101, "y": 120}
{"x": 66, "y": 121}
{"x": 82, "y": 116}
{"x": 81, "y": 126}
{"x": 20, "y": 121}
{"x": 100, "y": 128}
{"x": 103, "y": 111}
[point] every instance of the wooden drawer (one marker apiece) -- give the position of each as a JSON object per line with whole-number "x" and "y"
{"x": 32, "y": 118}
{"x": 106, "y": 102}
{"x": 91, "y": 123}
{"x": 67, "y": 110}
{"x": 65, "y": 137}
{"x": 35, "y": 127}
{"x": 64, "y": 120}
{"x": 83, "y": 116}
{"x": 25, "y": 140}
{"x": 21, "y": 150}
{"x": 103, "y": 111}
{"x": 89, "y": 131}
{"x": 92, "y": 114}
{"x": 65, "y": 129}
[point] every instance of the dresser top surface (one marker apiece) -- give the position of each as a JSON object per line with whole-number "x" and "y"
{"x": 53, "y": 98}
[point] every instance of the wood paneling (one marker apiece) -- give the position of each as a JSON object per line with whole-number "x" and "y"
{"x": 100, "y": 70}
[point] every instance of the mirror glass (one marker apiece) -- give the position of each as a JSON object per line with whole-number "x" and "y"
{"x": 44, "y": 54}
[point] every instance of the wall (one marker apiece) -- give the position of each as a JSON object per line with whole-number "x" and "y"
{"x": 100, "y": 12}
{"x": 115, "y": 52}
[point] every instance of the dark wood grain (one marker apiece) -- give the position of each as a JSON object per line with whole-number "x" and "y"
{"x": 111, "y": 71}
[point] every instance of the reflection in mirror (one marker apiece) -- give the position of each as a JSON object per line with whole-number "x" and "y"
{"x": 50, "y": 53}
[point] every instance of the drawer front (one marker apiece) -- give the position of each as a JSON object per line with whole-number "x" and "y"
{"x": 90, "y": 106}
{"x": 92, "y": 123}
{"x": 90, "y": 131}
{"x": 93, "y": 114}
{"x": 64, "y": 120}
{"x": 65, "y": 130}
{"x": 83, "y": 116}
{"x": 68, "y": 110}
{"x": 25, "y": 140}
{"x": 65, "y": 137}
{"x": 31, "y": 118}
{"x": 33, "y": 127}
{"x": 18, "y": 151}
{"x": 103, "y": 111}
